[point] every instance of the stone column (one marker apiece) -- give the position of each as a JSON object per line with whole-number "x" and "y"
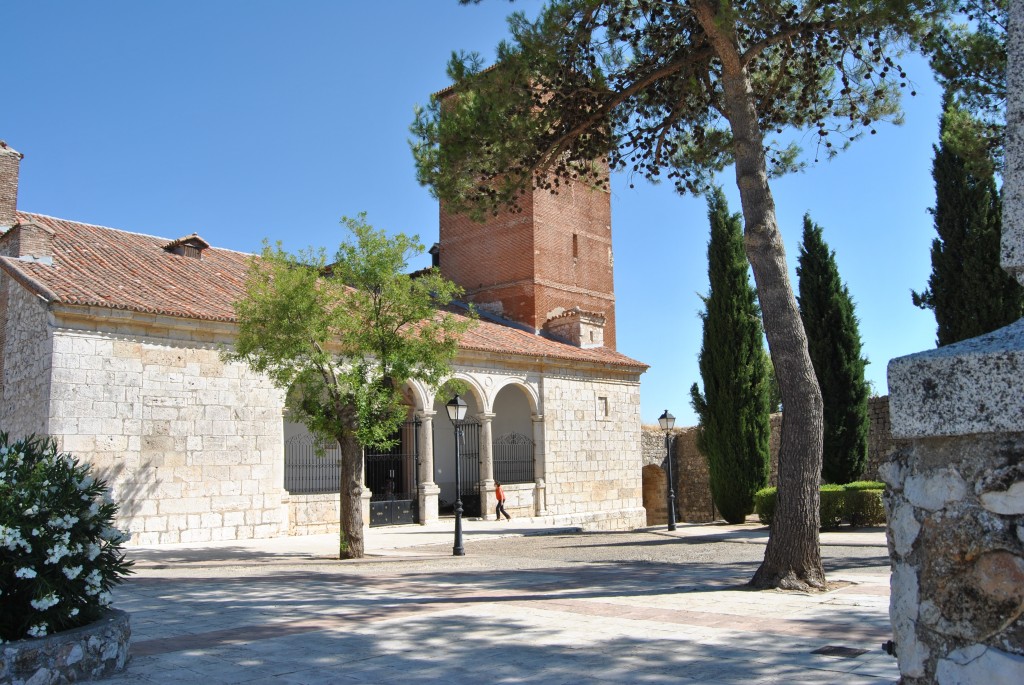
{"x": 487, "y": 499}
{"x": 539, "y": 496}
{"x": 365, "y": 494}
{"x": 428, "y": 489}
{"x": 955, "y": 500}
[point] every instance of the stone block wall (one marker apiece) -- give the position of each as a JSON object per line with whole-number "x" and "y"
{"x": 192, "y": 446}
{"x": 313, "y": 514}
{"x": 27, "y": 346}
{"x": 593, "y": 460}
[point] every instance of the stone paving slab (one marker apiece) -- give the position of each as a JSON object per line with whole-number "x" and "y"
{"x": 279, "y": 612}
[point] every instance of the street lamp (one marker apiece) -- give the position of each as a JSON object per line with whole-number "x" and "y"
{"x": 667, "y": 423}
{"x": 457, "y": 412}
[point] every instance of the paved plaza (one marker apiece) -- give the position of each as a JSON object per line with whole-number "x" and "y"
{"x": 521, "y": 607}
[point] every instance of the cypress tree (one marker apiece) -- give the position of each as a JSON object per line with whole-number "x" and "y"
{"x": 833, "y": 339}
{"x": 968, "y": 290}
{"x": 733, "y": 409}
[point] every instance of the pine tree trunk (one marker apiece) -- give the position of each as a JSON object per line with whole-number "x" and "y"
{"x": 351, "y": 544}
{"x": 792, "y": 558}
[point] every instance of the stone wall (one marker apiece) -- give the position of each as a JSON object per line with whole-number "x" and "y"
{"x": 93, "y": 651}
{"x": 693, "y": 489}
{"x": 191, "y": 446}
{"x": 27, "y": 358}
{"x": 313, "y": 514}
{"x": 593, "y": 460}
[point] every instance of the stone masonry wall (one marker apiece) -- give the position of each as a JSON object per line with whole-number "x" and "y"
{"x": 593, "y": 462}
{"x": 956, "y": 538}
{"x": 313, "y": 514}
{"x": 693, "y": 489}
{"x": 26, "y": 369}
{"x": 192, "y": 446}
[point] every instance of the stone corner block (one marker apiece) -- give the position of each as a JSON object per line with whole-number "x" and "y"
{"x": 970, "y": 387}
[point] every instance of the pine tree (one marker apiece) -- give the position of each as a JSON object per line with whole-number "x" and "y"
{"x": 833, "y": 339}
{"x": 968, "y": 290}
{"x": 734, "y": 408}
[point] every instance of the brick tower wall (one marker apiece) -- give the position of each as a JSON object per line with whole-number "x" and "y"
{"x": 553, "y": 256}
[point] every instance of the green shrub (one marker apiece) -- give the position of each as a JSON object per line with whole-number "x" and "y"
{"x": 865, "y": 507}
{"x": 59, "y": 552}
{"x": 832, "y": 505}
{"x": 764, "y": 504}
{"x": 865, "y": 485}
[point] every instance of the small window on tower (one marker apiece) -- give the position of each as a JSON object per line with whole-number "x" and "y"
{"x": 602, "y": 408}
{"x": 575, "y": 246}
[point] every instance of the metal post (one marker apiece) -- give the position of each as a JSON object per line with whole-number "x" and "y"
{"x": 458, "y": 549}
{"x": 671, "y": 483}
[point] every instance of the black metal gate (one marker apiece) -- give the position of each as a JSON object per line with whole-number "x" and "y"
{"x": 391, "y": 475}
{"x": 513, "y": 458}
{"x": 469, "y": 465}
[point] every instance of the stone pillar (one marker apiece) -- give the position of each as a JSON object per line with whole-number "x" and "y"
{"x": 488, "y": 501}
{"x": 539, "y": 463}
{"x": 428, "y": 489}
{"x": 955, "y": 500}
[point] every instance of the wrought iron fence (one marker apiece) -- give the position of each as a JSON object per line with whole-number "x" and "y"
{"x": 513, "y": 458}
{"x": 306, "y": 472}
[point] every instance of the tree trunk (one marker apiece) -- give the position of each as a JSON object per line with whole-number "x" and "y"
{"x": 792, "y": 559}
{"x": 351, "y": 489}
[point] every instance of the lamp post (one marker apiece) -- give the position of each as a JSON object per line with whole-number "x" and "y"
{"x": 457, "y": 412}
{"x": 667, "y": 423}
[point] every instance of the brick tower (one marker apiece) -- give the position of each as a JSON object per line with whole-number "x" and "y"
{"x": 540, "y": 265}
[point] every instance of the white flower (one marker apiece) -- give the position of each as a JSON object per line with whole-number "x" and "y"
{"x": 56, "y": 553}
{"x": 93, "y": 551}
{"x": 32, "y": 511}
{"x": 105, "y": 599}
{"x": 86, "y": 483}
{"x": 38, "y": 630}
{"x": 44, "y": 603}
{"x": 25, "y": 572}
{"x": 73, "y": 612}
{"x": 72, "y": 572}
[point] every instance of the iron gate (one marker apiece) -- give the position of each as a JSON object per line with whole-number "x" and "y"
{"x": 513, "y": 458}
{"x": 469, "y": 465}
{"x": 309, "y": 473}
{"x": 391, "y": 477}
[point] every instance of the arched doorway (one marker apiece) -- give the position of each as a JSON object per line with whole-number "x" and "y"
{"x": 655, "y": 494}
{"x": 469, "y": 453}
{"x": 512, "y": 436}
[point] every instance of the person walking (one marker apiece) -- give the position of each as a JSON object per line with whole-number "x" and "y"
{"x": 499, "y": 494}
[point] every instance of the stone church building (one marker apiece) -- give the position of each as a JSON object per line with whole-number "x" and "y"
{"x": 111, "y": 345}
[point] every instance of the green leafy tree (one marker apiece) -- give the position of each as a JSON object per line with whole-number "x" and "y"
{"x": 968, "y": 55}
{"x": 734, "y": 407}
{"x": 833, "y": 338}
{"x": 344, "y": 338}
{"x": 679, "y": 90}
{"x": 968, "y": 290}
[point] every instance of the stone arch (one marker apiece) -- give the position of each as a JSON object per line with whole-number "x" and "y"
{"x": 655, "y": 494}
{"x": 529, "y": 390}
{"x": 444, "y": 437}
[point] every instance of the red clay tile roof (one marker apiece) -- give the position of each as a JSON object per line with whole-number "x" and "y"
{"x": 106, "y": 267}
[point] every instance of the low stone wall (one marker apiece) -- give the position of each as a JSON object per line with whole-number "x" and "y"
{"x": 693, "y": 488}
{"x": 94, "y": 651}
{"x": 313, "y": 514}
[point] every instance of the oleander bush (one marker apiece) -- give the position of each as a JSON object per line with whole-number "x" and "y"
{"x": 858, "y": 503}
{"x": 60, "y": 553}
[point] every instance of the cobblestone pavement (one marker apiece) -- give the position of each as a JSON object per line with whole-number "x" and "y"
{"x": 642, "y": 607}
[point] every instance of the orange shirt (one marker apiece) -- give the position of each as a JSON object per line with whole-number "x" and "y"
{"x": 499, "y": 494}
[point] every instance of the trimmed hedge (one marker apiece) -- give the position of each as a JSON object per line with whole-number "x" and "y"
{"x": 858, "y": 503}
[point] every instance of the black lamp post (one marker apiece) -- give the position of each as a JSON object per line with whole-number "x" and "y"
{"x": 457, "y": 412}
{"x": 667, "y": 423}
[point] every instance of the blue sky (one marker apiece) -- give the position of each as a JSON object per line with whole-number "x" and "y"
{"x": 259, "y": 119}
